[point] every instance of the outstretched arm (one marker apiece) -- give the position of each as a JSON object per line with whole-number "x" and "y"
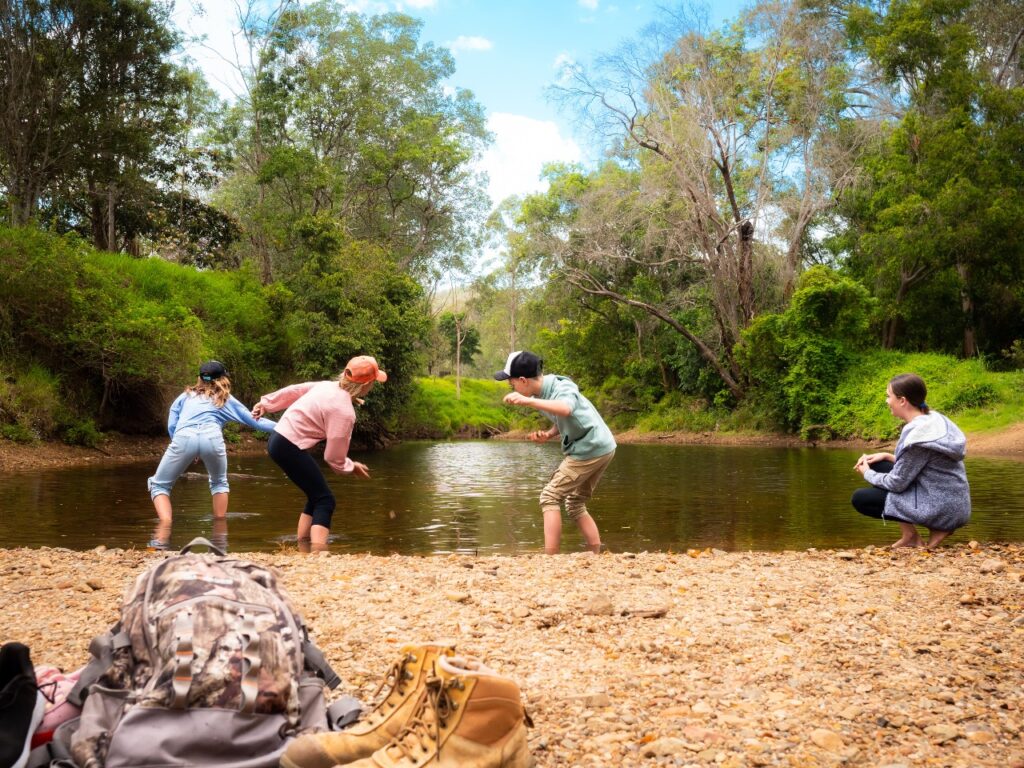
{"x": 240, "y": 413}
{"x": 281, "y": 399}
{"x": 554, "y": 407}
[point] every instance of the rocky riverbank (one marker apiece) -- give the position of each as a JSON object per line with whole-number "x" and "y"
{"x": 865, "y": 658}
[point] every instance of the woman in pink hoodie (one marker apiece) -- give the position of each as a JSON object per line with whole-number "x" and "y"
{"x": 315, "y": 411}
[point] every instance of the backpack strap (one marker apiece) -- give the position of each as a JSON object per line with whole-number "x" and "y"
{"x": 317, "y": 662}
{"x": 343, "y": 712}
{"x": 250, "y": 641}
{"x": 102, "y": 649}
{"x": 199, "y": 541}
{"x": 184, "y": 654}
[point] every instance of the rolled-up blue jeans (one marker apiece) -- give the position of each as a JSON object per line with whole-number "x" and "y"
{"x": 206, "y": 442}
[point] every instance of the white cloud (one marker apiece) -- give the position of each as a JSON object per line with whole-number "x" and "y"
{"x": 470, "y": 43}
{"x": 521, "y": 147}
{"x": 590, "y": 5}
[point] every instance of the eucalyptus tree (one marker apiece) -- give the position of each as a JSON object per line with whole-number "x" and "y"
{"x": 934, "y": 220}
{"x": 723, "y": 141}
{"x": 346, "y": 118}
{"x": 38, "y": 74}
{"x": 93, "y": 115}
{"x": 463, "y": 342}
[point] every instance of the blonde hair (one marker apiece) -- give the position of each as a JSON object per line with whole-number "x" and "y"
{"x": 355, "y": 388}
{"x": 218, "y": 390}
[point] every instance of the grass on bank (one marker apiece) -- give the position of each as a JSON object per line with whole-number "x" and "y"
{"x": 434, "y": 411}
{"x": 978, "y": 400}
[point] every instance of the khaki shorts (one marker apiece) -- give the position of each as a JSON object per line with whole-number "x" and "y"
{"x": 573, "y": 483}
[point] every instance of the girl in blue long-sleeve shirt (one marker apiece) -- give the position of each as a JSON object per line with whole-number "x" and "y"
{"x": 195, "y": 423}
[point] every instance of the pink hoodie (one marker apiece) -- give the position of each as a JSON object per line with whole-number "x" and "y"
{"x": 316, "y": 410}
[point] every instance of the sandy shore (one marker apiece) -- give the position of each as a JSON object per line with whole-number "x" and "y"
{"x": 820, "y": 658}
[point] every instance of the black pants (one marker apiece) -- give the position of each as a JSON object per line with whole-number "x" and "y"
{"x": 870, "y": 501}
{"x": 302, "y": 469}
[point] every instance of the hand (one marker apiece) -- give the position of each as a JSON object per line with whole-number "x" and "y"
{"x": 258, "y": 410}
{"x": 360, "y": 470}
{"x": 514, "y": 398}
{"x": 867, "y": 459}
{"x": 539, "y": 436}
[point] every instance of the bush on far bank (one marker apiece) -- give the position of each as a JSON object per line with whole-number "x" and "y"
{"x": 433, "y": 411}
{"x": 975, "y": 398}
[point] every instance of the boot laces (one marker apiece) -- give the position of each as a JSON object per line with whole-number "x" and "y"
{"x": 395, "y": 679}
{"x": 432, "y": 711}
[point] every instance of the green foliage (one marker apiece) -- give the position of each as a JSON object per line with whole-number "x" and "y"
{"x": 433, "y": 411}
{"x": 795, "y": 360}
{"x": 117, "y": 335}
{"x": 933, "y": 223}
{"x": 350, "y": 118}
{"x": 29, "y": 402}
{"x": 963, "y": 389}
{"x": 681, "y": 413}
{"x": 463, "y": 339}
{"x": 349, "y": 298}
{"x": 974, "y": 395}
{"x": 83, "y": 432}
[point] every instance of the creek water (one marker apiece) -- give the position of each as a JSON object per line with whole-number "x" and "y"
{"x": 481, "y": 496}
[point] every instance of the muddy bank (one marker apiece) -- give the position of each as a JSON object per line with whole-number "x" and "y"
{"x": 1008, "y": 443}
{"x": 821, "y": 658}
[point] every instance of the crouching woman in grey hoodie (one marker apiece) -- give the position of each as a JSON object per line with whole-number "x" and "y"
{"x": 925, "y": 482}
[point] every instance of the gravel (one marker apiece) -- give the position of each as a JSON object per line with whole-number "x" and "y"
{"x": 865, "y": 657}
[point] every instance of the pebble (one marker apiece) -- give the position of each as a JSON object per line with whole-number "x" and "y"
{"x": 826, "y": 739}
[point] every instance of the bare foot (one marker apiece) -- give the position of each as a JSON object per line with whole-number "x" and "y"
{"x": 908, "y": 542}
{"x": 935, "y": 538}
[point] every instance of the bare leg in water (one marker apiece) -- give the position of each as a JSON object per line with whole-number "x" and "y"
{"x": 590, "y": 533}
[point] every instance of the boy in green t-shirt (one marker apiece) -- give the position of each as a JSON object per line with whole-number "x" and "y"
{"x": 587, "y": 443}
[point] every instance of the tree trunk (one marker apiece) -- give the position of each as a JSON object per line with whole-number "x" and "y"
{"x": 458, "y": 358}
{"x": 891, "y": 326}
{"x": 111, "y": 226}
{"x": 99, "y": 231}
{"x": 746, "y": 272}
{"x": 967, "y": 305}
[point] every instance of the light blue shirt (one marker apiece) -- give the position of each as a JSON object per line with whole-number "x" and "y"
{"x": 584, "y": 433}
{"x": 190, "y": 410}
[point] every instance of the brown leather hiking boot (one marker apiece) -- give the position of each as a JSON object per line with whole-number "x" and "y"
{"x": 405, "y": 681}
{"x": 468, "y": 717}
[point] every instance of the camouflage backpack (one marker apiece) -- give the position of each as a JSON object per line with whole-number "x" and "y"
{"x": 209, "y": 665}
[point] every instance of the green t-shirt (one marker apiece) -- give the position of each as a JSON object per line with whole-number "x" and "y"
{"x": 584, "y": 433}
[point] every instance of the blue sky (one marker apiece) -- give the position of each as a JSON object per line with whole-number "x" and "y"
{"x": 507, "y": 52}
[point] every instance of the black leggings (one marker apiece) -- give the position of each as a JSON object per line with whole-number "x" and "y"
{"x": 870, "y": 501}
{"x": 302, "y": 469}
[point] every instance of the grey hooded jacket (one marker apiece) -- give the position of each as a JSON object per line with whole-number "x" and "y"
{"x": 928, "y": 484}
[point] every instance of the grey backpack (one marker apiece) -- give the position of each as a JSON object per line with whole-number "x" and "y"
{"x": 209, "y": 665}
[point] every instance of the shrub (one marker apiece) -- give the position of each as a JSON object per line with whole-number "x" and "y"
{"x": 433, "y": 410}
{"x": 83, "y": 433}
{"x": 796, "y": 359}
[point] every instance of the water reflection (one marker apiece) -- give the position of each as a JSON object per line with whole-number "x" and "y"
{"x": 482, "y": 497}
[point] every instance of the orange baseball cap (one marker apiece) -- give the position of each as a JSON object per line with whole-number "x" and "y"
{"x": 363, "y": 369}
